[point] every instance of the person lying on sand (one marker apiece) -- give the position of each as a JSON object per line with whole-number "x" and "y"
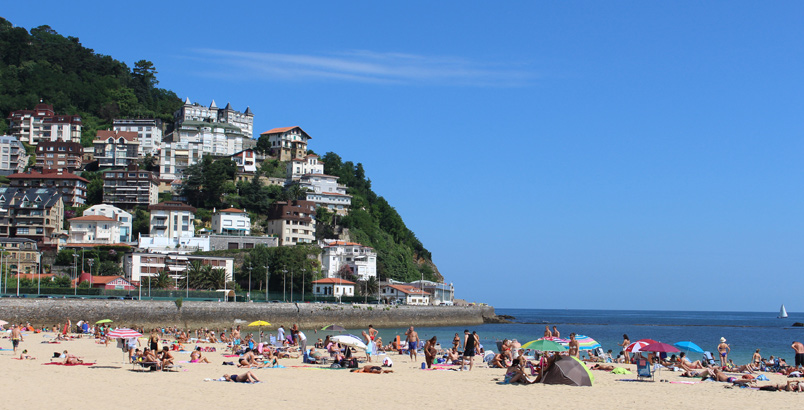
{"x": 606, "y": 367}
{"x": 25, "y": 356}
{"x": 792, "y": 385}
{"x": 247, "y": 377}
{"x": 717, "y": 375}
{"x": 371, "y": 369}
{"x": 685, "y": 363}
{"x": 197, "y": 357}
{"x": 70, "y": 358}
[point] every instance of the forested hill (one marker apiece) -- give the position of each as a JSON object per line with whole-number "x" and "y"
{"x": 60, "y": 71}
{"x": 43, "y": 65}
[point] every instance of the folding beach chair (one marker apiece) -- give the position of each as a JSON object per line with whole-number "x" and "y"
{"x": 644, "y": 370}
{"x": 708, "y": 358}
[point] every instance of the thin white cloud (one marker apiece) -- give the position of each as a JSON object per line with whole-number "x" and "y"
{"x": 361, "y": 66}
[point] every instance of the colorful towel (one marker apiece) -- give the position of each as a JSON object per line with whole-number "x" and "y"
{"x": 64, "y": 364}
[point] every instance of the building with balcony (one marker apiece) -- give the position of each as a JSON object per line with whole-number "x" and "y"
{"x": 139, "y": 266}
{"x": 325, "y": 192}
{"x": 62, "y": 156}
{"x": 94, "y": 229}
{"x": 116, "y": 149}
{"x": 231, "y": 221}
{"x": 333, "y": 287}
{"x": 43, "y": 124}
{"x": 292, "y": 223}
{"x": 440, "y": 293}
{"x": 124, "y": 218}
{"x": 298, "y": 167}
{"x": 246, "y": 161}
{"x": 72, "y": 188}
{"x": 403, "y": 294}
{"x": 172, "y": 219}
{"x": 244, "y": 121}
{"x": 288, "y": 143}
{"x": 362, "y": 260}
{"x": 130, "y": 187}
{"x": 149, "y": 133}
{"x": 21, "y": 254}
{"x": 33, "y": 213}
{"x": 13, "y": 157}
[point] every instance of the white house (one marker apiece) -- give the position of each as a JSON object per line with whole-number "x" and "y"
{"x": 298, "y": 167}
{"x": 335, "y": 287}
{"x": 117, "y": 214}
{"x": 149, "y": 133}
{"x": 231, "y": 221}
{"x": 288, "y": 142}
{"x": 361, "y": 259}
{"x": 404, "y": 294}
{"x": 94, "y": 229}
{"x": 173, "y": 229}
{"x": 325, "y": 192}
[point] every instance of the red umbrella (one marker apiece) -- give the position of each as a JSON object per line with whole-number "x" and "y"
{"x": 648, "y": 341}
{"x": 123, "y": 334}
{"x": 637, "y": 346}
{"x": 660, "y": 348}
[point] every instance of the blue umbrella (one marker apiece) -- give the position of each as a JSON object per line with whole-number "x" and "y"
{"x": 688, "y": 347}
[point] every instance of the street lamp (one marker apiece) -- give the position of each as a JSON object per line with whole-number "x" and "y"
{"x": 90, "y": 262}
{"x": 302, "y": 296}
{"x": 187, "y": 274}
{"x": 291, "y": 284}
{"x": 284, "y": 285}
{"x": 249, "y": 282}
{"x": 266, "y": 283}
{"x": 75, "y": 269}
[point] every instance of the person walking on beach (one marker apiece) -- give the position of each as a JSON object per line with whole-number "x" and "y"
{"x": 16, "y": 337}
{"x": 624, "y": 344}
{"x": 469, "y": 346}
{"x": 799, "y": 349}
{"x": 280, "y": 335}
{"x": 413, "y": 342}
{"x": 574, "y": 347}
{"x": 724, "y": 351}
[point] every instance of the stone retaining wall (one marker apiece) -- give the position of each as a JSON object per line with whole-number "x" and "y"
{"x": 221, "y": 314}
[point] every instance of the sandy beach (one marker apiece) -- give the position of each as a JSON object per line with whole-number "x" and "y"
{"x": 110, "y": 383}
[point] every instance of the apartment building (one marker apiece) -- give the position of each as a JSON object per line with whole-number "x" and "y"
{"x": 140, "y": 265}
{"x": 13, "y": 157}
{"x": 292, "y": 223}
{"x": 362, "y": 260}
{"x": 21, "y": 254}
{"x": 149, "y": 133}
{"x": 172, "y": 219}
{"x": 243, "y": 121}
{"x": 288, "y": 143}
{"x": 43, "y": 124}
{"x": 130, "y": 187}
{"x": 72, "y": 188}
{"x": 63, "y": 156}
{"x": 231, "y": 221}
{"x": 94, "y": 229}
{"x": 113, "y": 212}
{"x": 299, "y": 167}
{"x": 33, "y": 213}
{"x": 325, "y": 192}
{"x": 116, "y": 149}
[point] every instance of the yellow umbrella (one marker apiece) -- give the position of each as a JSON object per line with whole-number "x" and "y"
{"x": 259, "y": 323}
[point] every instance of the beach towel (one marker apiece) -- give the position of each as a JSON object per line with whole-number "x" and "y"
{"x": 683, "y": 382}
{"x": 762, "y": 377}
{"x": 620, "y": 370}
{"x": 63, "y": 364}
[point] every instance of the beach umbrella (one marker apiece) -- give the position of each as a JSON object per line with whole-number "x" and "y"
{"x": 556, "y": 339}
{"x": 3, "y": 323}
{"x": 586, "y": 343}
{"x": 688, "y": 347}
{"x": 544, "y": 345}
{"x": 648, "y": 341}
{"x": 660, "y": 348}
{"x": 349, "y": 340}
{"x": 260, "y": 324}
{"x": 123, "y": 333}
{"x": 104, "y": 321}
{"x": 333, "y": 328}
{"x": 636, "y": 346}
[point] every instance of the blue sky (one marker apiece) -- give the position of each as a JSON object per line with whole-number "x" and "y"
{"x": 620, "y": 155}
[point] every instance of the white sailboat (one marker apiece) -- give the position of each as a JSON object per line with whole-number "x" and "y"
{"x": 782, "y": 312}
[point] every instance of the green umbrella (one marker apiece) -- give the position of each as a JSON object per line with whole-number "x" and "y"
{"x": 543, "y": 345}
{"x": 104, "y": 321}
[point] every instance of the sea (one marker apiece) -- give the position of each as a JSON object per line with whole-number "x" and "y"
{"x": 744, "y": 331}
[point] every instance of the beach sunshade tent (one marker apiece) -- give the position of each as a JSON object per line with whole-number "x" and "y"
{"x": 103, "y": 321}
{"x": 349, "y": 340}
{"x": 586, "y": 343}
{"x": 568, "y": 370}
{"x": 333, "y": 328}
{"x": 544, "y": 345}
{"x": 688, "y": 347}
{"x": 660, "y": 348}
{"x": 124, "y": 333}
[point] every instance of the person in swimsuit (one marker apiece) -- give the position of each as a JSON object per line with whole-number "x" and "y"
{"x": 371, "y": 369}
{"x": 372, "y": 332}
{"x": 153, "y": 340}
{"x": 574, "y": 347}
{"x": 413, "y": 342}
{"x": 556, "y": 333}
{"x": 16, "y": 337}
{"x": 724, "y": 350}
{"x": 430, "y": 351}
{"x": 547, "y": 333}
{"x": 798, "y": 347}
{"x": 756, "y": 359}
{"x": 456, "y": 341}
{"x": 196, "y": 357}
{"x": 624, "y": 344}
{"x": 247, "y": 377}
{"x": 469, "y": 346}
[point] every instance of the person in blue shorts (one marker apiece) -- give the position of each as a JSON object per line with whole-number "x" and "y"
{"x": 413, "y": 342}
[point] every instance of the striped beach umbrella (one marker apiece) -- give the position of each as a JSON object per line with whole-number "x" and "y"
{"x": 636, "y": 346}
{"x": 586, "y": 343}
{"x": 123, "y": 333}
{"x": 555, "y": 339}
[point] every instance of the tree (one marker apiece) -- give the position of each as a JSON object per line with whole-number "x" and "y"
{"x": 162, "y": 281}
{"x": 109, "y": 268}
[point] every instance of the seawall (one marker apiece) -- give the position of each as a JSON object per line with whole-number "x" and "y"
{"x": 48, "y": 312}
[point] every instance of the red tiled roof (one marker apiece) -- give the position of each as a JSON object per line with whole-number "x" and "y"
{"x": 35, "y": 276}
{"x": 233, "y": 210}
{"x": 92, "y": 218}
{"x": 342, "y": 243}
{"x": 49, "y": 175}
{"x": 171, "y": 206}
{"x": 92, "y": 245}
{"x": 127, "y": 135}
{"x": 334, "y": 281}
{"x": 279, "y": 130}
{"x": 410, "y": 290}
{"x": 104, "y": 279}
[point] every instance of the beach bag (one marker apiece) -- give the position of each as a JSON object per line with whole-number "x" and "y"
{"x": 335, "y": 366}
{"x": 352, "y": 363}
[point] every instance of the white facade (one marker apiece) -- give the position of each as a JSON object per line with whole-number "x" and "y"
{"x": 324, "y": 191}
{"x": 288, "y": 142}
{"x": 171, "y": 219}
{"x": 333, "y": 287}
{"x": 149, "y": 133}
{"x": 124, "y": 218}
{"x": 298, "y": 167}
{"x": 243, "y": 121}
{"x": 95, "y": 229}
{"x": 13, "y": 157}
{"x": 138, "y": 265}
{"x": 231, "y": 221}
{"x": 246, "y": 161}
{"x": 404, "y": 294}
{"x": 176, "y": 157}
{"x": 183, "y": 245}
{"x": 361, "y": 259}
{"x": 42, "y": 124}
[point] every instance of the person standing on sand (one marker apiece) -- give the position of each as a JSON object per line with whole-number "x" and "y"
{"x": 413, "y": 342}
{"x": 624, "y": 344}
{"x": 469, "y": 346}
{"x": 574, "y": 347}
{"x": 372, "y": 332}
{"x": 799, "y": 348}
{"x": 16, "y": 337}
{"x": 724, "y": 351}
